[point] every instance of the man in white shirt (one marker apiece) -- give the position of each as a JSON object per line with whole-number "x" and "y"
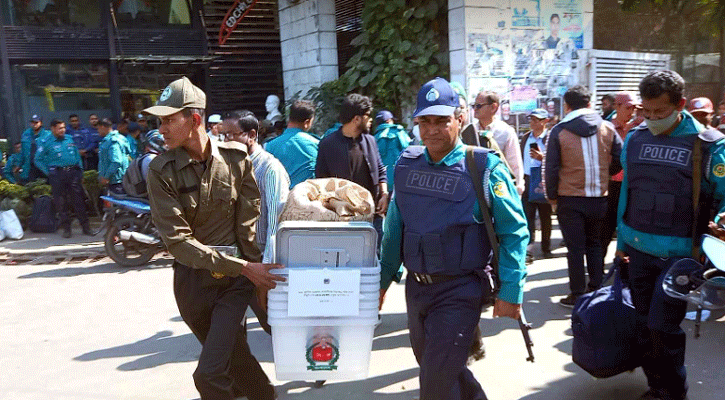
{"x": 485, "y": 109}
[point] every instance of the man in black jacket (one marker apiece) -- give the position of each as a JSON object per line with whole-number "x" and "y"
{"x": 351, "y": 153}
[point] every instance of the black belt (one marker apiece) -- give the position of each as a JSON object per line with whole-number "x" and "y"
{"x": 425, "y": 279}
{"x": 69, "y": 168}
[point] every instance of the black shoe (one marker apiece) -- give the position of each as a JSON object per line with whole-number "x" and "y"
{"x": 66, "y": 233}
{"x": 547, "y": 254}
{"x": 87, "y": 230}
{"x": 569, "y": 300}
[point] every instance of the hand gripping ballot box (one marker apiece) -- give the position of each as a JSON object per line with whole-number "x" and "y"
{"x": 324, "y": 316}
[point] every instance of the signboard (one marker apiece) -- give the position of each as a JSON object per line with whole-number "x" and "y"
{"x": 235, "y": 14}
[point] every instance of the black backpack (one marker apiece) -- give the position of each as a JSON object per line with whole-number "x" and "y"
{"x": 43, "y": 218}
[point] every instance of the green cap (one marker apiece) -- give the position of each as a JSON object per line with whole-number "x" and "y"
{"x": 180, "y": 94}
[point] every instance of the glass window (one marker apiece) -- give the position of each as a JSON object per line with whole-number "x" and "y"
{"x": 58, "y": 90}
{"x": 150, "y": 13}
{"x": 61, "y": 13}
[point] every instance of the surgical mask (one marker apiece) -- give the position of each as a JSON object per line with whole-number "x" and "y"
{"x": 658, "y": 126}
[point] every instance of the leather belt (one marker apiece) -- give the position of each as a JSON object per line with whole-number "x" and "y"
{"x": 68, "y": 168}
{"x": 425, "y": 279}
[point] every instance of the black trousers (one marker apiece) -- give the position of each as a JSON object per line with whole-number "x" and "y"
{"x": 610, "y": 220}
{"x": 214, "y": 310}
{"x": 581, "y": 220}
{"x": 67, "y": 189}
{"x": 661, "y": 339}
{"x": 544, "y": 210}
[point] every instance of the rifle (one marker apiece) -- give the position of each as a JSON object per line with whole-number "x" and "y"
{"x": 525, "y": 328}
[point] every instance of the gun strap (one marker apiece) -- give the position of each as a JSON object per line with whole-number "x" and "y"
{"x": 488, "y": 221}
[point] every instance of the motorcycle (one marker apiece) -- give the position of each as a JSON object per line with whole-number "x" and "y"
{"x": 131, "y": 239}
{"x": 700, "y": 284}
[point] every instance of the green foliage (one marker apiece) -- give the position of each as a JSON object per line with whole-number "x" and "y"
{"x": 403, "y": 44}
{"x": 13, "y": 191}
{"x": 39, "y": 187}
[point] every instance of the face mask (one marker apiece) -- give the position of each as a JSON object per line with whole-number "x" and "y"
{"x": 659, "y": 126}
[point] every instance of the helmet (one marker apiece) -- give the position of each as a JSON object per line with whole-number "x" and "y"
{"x": 155, "y": 141}
{"x": 703, "y": 286}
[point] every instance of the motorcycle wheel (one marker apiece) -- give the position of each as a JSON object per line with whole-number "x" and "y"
{"x": 127, "y": 253}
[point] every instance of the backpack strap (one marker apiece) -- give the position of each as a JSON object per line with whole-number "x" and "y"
{"x": 483, "y": 204}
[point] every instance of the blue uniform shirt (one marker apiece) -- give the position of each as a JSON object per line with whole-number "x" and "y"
{"x": 297, "y": 151}
{"x": 15, "y": 160}
{"x": 133, "y": 146}
{"x": 714, "y": 182}
{"x": 113, "y": 157}
{"x": 26, "y": 141}
{"x": 93, "y": 139}
{"x": 509, "y": 224}
{"x": 57, "y": 152}
{"x": 80, "y": 136}
{"x": 392, "y": 140}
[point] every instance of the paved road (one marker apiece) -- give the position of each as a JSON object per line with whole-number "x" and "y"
{"x": 95, "y": 331}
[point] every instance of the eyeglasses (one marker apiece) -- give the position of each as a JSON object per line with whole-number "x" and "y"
{"x": 477, "y": 106}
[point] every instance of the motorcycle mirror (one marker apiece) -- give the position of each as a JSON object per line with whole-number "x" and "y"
{"x": 714, "y": 249}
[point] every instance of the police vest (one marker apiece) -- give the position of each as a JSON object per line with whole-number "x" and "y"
{"x": 659, "y": 176}
{"x": 440, "y": 236}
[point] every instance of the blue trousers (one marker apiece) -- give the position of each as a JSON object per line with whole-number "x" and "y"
{"x": 67, "y": 189}
{"x": 441, "y": 320}
{"x": 663, "y": 341}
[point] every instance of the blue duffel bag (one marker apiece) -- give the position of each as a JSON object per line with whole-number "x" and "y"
{"x": 604, "y": 324}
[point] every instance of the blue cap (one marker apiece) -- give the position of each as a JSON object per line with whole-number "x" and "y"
{"x": 383, "y": 116}
{"x": 539, "y": 113}
{"x": 35, "y": 118}
{"x": 436, "y": 97}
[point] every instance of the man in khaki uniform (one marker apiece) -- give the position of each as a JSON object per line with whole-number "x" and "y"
{"x": 205, "y": 205}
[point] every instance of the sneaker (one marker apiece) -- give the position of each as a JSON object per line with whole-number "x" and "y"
{"x": 569, "y": 300}
{"x": 66, "y": 233}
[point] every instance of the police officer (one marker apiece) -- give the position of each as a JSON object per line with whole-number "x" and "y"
{"x": 113, "y": 157}
{"x": 59, "y": 159}
{"x": 205, "y": 204}
{"x": 31, "y": 139}
{"x": 14, "y": 166}
{"x": 657, "y": 221}
{"x": 433, "y": 226}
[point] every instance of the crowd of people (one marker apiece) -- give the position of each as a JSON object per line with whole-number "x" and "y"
{"x": 631, "y": 171}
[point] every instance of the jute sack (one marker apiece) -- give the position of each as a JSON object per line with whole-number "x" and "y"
{"x": 328, "y": 199}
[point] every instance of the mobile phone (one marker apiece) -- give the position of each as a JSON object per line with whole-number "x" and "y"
{"x": 534, "y": 146}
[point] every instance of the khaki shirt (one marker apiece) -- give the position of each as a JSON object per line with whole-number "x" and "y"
{"x": 195, "y": 205}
